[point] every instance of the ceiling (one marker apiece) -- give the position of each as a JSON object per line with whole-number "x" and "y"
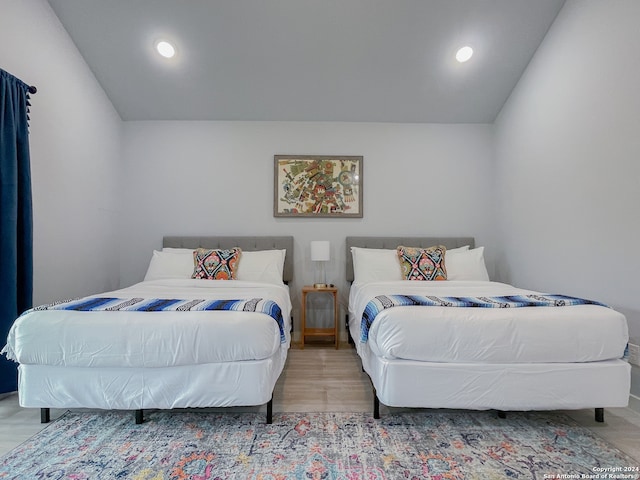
{"x": 308, "y": 60}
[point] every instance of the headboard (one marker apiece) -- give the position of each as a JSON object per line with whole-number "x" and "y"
{"x": 393, "y": 242}
{"x": 245, "y": 243}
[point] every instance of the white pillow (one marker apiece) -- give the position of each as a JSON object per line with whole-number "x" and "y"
{"x": 261, "y": 266}
{"x": 381, "y": 264}
{"x": 178, "y": 250}
{"x": 466, "y": 265}
{"x": 375, "y": 265}
{"x": 170, "y": 265}
{"x": 257, "y": 266}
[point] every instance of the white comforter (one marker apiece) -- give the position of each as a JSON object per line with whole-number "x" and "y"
{"x": 581, "y": 333}
{"x": 154, "y": 339}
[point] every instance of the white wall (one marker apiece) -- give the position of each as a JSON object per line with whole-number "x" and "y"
{"x": 216, "y": 178}
{"x": 75, "y": 145}
{"x": 567, "y": 158}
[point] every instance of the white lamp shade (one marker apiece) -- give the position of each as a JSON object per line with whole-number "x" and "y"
{"x": 320, "y": 251}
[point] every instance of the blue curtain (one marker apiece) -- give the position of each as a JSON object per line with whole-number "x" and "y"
{"x": 16, "y": 225}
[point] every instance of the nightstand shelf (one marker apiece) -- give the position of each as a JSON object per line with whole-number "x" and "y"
{"x": 319, "y": 332}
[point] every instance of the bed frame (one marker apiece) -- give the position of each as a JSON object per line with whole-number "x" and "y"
{"x": 401, "y": 383}
{"x": 199, "y": 372}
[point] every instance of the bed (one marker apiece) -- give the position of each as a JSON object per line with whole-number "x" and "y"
{"x": 461, "y": 357}
{"x": 188, "y": 345}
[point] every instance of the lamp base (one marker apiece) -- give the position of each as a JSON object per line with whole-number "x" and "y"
{"x": 319, "y": 285}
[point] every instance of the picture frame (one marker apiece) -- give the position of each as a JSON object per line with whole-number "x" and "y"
{"x": 317, "y": 186}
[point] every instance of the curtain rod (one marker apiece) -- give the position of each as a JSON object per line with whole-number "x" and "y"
{"x": 32, "y": 89}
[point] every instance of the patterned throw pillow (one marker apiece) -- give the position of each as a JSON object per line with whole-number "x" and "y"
{"x": 422, "y": 263}
{"x": 216, "y": 264}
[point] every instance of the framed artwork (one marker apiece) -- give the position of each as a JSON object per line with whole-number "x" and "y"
{"x": 317, "y": 186}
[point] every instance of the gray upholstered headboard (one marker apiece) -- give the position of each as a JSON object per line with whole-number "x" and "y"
{"x": 393, "y": 242}
{"x": 245, "y": 243}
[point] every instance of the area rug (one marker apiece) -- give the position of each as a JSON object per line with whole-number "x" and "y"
{"x": 421, "y": 444}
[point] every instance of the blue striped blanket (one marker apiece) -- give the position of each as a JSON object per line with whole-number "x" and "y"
{"x": 382, "y": 302}
{"x": 110, "y": 304}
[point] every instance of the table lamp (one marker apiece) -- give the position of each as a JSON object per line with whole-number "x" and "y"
{"x": 320, "y": 253}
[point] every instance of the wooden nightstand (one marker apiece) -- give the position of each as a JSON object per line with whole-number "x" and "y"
{"x": 310, "y": 332}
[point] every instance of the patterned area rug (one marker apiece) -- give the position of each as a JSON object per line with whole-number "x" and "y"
{"x": 423, "y": 444}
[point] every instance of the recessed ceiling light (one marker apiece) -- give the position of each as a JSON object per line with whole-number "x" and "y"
{"x": 464, "y": 54}
{"x": 165, "y": 49}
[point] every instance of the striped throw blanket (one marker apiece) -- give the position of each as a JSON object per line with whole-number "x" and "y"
{"x": 382, "y": 302}
{"x": 110, "y": 304}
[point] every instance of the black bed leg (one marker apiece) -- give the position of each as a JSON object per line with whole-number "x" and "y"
{"x": 376, "y": 405}
{"x": 270, "y": 412}
{"x": 502, "y": 414}
{"x": 139, "y": 416}
{"x": 599, "y": 414}
{"x": 45, "y": 415}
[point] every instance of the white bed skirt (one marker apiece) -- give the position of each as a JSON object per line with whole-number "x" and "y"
{"x": 558, "y": 386}
{"x": 193, "y": 386}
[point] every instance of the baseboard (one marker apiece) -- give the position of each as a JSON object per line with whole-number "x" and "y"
{"x": 634, "y": 403}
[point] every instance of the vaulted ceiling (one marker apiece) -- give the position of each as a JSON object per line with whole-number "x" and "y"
{"x": 308, "y": 60}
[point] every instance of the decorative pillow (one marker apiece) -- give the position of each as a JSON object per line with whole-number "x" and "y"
{"x": 261, "y": 266}
{"x": 169, "y": 265}
{"x": 375, "y": 265}
{"x": 422, "y": 263}
{"x": 466, "y": 265}
{"x": 215, "y": 264}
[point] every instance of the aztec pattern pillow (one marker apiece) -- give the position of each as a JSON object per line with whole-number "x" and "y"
{"x": 215, "y": 264}
{"x": 422, "y": 263}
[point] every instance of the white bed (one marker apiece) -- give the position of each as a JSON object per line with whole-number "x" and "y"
{"x": 530, "y": 358}
{"x": 136, "y": 360}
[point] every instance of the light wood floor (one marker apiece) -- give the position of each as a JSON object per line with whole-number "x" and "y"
{"x": 321, "y": 378}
